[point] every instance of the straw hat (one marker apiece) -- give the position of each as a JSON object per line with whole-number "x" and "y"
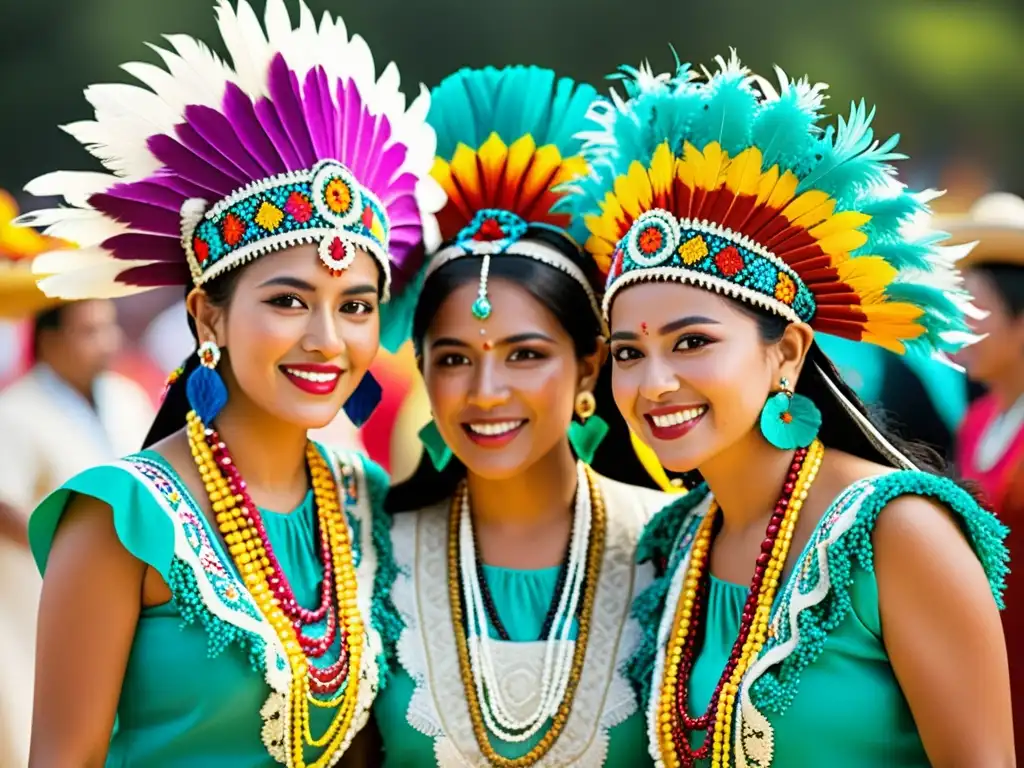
{"x": 19, "y": 295}
{"x": 996, "y": 223}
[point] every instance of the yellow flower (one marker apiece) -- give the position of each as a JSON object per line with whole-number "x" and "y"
{"x": 785, "y": 288}
{"x": 693, "y": 250}
{"x": 269, "y": 216}
{"x": 339, "y": 196}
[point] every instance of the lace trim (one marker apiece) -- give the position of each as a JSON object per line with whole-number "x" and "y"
{"x": 438, "y": 706}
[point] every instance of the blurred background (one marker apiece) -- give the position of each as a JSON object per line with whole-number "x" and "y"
{"x": 947, "y": 75}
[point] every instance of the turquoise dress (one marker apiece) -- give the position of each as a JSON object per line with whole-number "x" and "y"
{"x": 822, "y": 691}
{"x": 423, "y": 716}
{"x": 204, "y": 665}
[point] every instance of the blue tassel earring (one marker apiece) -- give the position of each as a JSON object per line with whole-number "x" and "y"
{"x": 789, "y": 420}
{"x": 205, "y": 388}
{"x": 363, "y": 401}
{"x": 435, "y": 446}
{"x": 586, "y": 434}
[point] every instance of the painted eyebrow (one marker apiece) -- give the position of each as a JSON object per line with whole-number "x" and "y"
{"x": 672, "y": 327}
{"x": 298, "y": 284}
{"x": 519, "y": 338}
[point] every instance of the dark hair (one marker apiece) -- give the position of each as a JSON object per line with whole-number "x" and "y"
{"x": 1008, "y": 281}
{"x": 569, "y": 303}
{"x": 48, "y": 320}
{"x": 175, "y": 406}
{"x": 838, "y": 429}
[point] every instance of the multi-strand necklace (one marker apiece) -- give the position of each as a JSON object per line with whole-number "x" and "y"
{"x": 563, "y": 658}
{"x": 328, "y": 686}
{"x": 675, "y": 726}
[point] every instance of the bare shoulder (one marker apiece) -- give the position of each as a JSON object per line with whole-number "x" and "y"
{"x": 911, "y": 527}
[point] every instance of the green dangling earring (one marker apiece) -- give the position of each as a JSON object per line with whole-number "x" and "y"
{"x": 586, "y": 434}
{"x": 435, "y": 446}
{"x": 789, "y": 420}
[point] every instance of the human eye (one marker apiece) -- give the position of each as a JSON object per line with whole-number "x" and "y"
{"x": 525, "y": 354}
{"x": 452, "y": 359}
{"x": 691, "y": 341}
{"x": 625, "y": 354}
{"x": 357, "y": 308}
{"x": 286, "y": 301}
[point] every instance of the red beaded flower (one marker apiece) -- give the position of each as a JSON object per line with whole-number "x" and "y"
{"x": 298, "y": 207}
{"x": 233, "y": 229}
{"x": 729, "y": 261}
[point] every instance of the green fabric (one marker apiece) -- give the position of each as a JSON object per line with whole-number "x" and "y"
{"x": 521, "y": 599}
{"x": 835, "y": 699}
{"x": 191, "y": 695}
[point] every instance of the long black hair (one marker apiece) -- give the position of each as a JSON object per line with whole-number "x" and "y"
{"x": 564, "y": 297}
{"x": 174, "y": 409}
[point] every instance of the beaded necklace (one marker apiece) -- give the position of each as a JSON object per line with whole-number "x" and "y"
{"x": 241, "y": 525}
{"x": 559, "y": 686}
{"x": 675, "y": 726}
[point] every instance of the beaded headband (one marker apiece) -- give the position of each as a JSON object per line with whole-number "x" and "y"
{"x": 727, "y": 183}
{"x": 324, "y": 204}
{"x": 506, "y": 143}
{"x": 211, "y": 165}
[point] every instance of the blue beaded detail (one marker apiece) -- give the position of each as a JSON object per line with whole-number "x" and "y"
{"x": 493, "y": 225}
{"x": 481, "y": 308}
{"x": 657, "y": 240}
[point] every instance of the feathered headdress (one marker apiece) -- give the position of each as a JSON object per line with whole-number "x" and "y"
{"x": 506, "y": 140}
{"x": 727, "y": 182}
{"x": 211, "y": 165}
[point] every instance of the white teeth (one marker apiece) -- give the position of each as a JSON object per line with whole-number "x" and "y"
{"x": 320, "y": 378}
{"x": 493, "y": 429}
{"x": 679, "y": 417}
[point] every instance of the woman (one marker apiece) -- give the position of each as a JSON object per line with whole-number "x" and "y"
{"x": 991, "y": 438}
{"x": 869, "y": 635}
{"x": 516, "y": 563}
{"x": 232, "y": 572}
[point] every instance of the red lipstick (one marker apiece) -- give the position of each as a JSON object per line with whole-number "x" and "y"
{"x": 692, "y": 415}
{"x": 313, "y": 378}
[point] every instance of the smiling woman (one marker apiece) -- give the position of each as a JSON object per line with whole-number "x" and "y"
{"x": 515, "y": 579}
{"x": 837, "y": 603}
{"x": 237, "y": 607}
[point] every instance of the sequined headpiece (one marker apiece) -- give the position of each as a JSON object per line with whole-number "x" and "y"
{"x": 726, "y": 182}
{"x": 211, "y": 165}
{"x": 506, "y": 141}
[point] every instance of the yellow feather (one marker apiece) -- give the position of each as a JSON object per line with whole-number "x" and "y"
{"x": 641, "y": 184}
{"x": 868, "y": 276}
{"x": 809, "y": 208}
{"x": 744, "y": 174}
{"x": 464, "y": 167}
{"x": 662, "y": 170}
{"x": 546, "y": 161}
{"x": 598, "y": 247}
{"x": 884, "y": 341}
{"x": 649, "y": 460}
{"x": 572, "y": 168}
{"x": 493, "y": 155}
{"x": 627, "y": 192}
{"x": 839, "y": 222}
{"x": 843, "y": 242}
{"x": 713, "y": 169}
{"x": 519, "y": 156}
{"x": 783, "y": 191}
{"x": 688, "y": 165}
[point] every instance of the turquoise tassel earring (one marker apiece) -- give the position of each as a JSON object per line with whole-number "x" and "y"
{"x": 435, "y": 446}
{"x": 789, "y": 420}
{"x": 205, "y": 388}
{"x": 586, "y": 434}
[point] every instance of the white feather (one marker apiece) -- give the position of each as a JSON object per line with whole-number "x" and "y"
{"x": 68, "y": 260}
{"x": 202, "y": 75}
{"x": 88, "y": 230}
{"x": 74, "y": 186}
{"x": 161, "y": 82}
{"x": 117, "y": 144}
{"x": 94, "y": 282}
{"x": 246, "y": 44}
{"x": 279, "y": 26}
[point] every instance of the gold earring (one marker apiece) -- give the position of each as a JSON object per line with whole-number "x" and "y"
{"x": 586, "y": 405}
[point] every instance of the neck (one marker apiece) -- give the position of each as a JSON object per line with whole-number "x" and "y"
{"x": 539, "y": 495}
{"x": 1009, "y": 388}
{"x": 270, "y": 454}
{"x": 746, "y": 481}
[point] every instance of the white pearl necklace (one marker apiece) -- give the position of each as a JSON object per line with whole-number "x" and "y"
{"x": 559, "y": 649}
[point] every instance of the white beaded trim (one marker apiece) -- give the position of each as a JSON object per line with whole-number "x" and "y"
{"x": 683, "y": 275}
{"x": 529, "y": 249}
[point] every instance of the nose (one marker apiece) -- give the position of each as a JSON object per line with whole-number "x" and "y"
{"x": 322, "y": 335}
{"x": 488, "y": 390}
{"x": 658, "y": 379}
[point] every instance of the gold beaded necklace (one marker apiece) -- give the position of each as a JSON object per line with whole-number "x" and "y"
{"x": 249, "y": 553}
{"x": 671, "y": 752}
{"x": 595, "y": 553}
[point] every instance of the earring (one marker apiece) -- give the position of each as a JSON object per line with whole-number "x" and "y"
{"x": 363, "y": 400}
{"x": 205, "y": 388}
{"x": 435, "y": 446}
{"x": 586, "y": 434}
{"x": 789, "y": 420}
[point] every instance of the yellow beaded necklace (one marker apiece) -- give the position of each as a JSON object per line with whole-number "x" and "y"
{"x": 595, "y": 553}
{"x": 699, "y": 552}
{"x": 249, "y": 552}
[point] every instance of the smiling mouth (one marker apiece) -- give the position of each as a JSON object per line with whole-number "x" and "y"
{"x": 313, "y": 379}
{"x": 494, "y": 433}
{"x": 671, "y": 424}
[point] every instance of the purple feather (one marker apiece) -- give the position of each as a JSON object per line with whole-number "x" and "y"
{"x": 193, "y": 141}
{"x": 184, "y": 163}
{"x": 156, "y": 275}
{"x": 352, "y": 118}
{"x": 239, "y": 111}
{"x": 374, "y": 178}
{"x": 389, "y": 165}
{"x": 139, "y": 216}
{"x": 184, "y": 188}
{"x": 321, "y": 116}
{"x": 404, "y": 209}
{"x": 221, "y": 135}
{"x": 149, "y": 193}
{"x": 271, "y": 123}
{"x": 138, "y": 247}
{"x": 284, "y": 92}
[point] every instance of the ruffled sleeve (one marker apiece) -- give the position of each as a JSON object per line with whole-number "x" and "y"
{"x": 662, "y": 543}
